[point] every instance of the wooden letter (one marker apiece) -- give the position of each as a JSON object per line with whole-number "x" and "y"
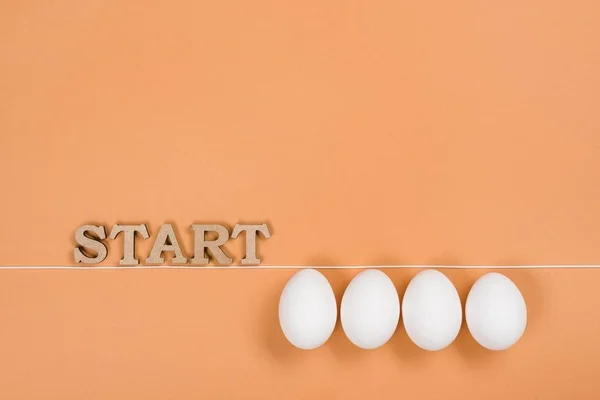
{"x": 129, "y": 241}
{"x": 213, "y": 246}
{"x": 251, "y": 232}
{"x": 166, "y": 241}
{"x": 96, "y": 245}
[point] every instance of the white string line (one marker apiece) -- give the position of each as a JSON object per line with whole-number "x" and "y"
{"x": 289, "y": 267}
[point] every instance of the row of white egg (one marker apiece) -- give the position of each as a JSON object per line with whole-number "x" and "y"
{"x": 495, "y": 310}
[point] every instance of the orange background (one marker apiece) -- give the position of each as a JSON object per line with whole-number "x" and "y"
{"x": 398, "y": 132}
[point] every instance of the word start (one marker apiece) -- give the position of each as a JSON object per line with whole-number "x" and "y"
{"x": 91, "y": 248}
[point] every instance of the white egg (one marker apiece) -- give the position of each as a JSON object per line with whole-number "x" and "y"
{"x": 431, "y": 310}
{"x": 370, "y": 309}
{"x": 307, "y": 309}
{"x": 496, "y": 312}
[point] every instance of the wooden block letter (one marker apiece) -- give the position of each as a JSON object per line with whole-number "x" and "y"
{"x": 251, "y": 232}
{"x": 166, "y": 240}
{"x": 87, "y": 242}
{"x": 129, "y": 232}
{"x": 213, "y": 246}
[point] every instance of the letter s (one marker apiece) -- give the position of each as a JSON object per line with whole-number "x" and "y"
{"x": 96, "y": 245}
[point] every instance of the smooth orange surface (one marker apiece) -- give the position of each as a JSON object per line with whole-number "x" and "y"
{"x": 398, "y": 132}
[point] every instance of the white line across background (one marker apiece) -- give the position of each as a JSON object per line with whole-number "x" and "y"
{"x": 254, "y": 267}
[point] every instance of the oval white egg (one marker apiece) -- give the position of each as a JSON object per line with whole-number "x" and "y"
{"x": 307, "y": 309}
{"x": 370, "y": 309}
{"x": 495, "y": 311}
{"x": 431, "y": 310}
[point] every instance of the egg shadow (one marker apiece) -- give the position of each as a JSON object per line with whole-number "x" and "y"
{"x": 400, "y": 343}
{"x": 342, "y": 347}
{"x": 275, "y": 341}
{"x": 404, "y": 348}
{"x": 463, "y": 280}
{"x": 532, "y": 292}
{"x": 470, "y": 350}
